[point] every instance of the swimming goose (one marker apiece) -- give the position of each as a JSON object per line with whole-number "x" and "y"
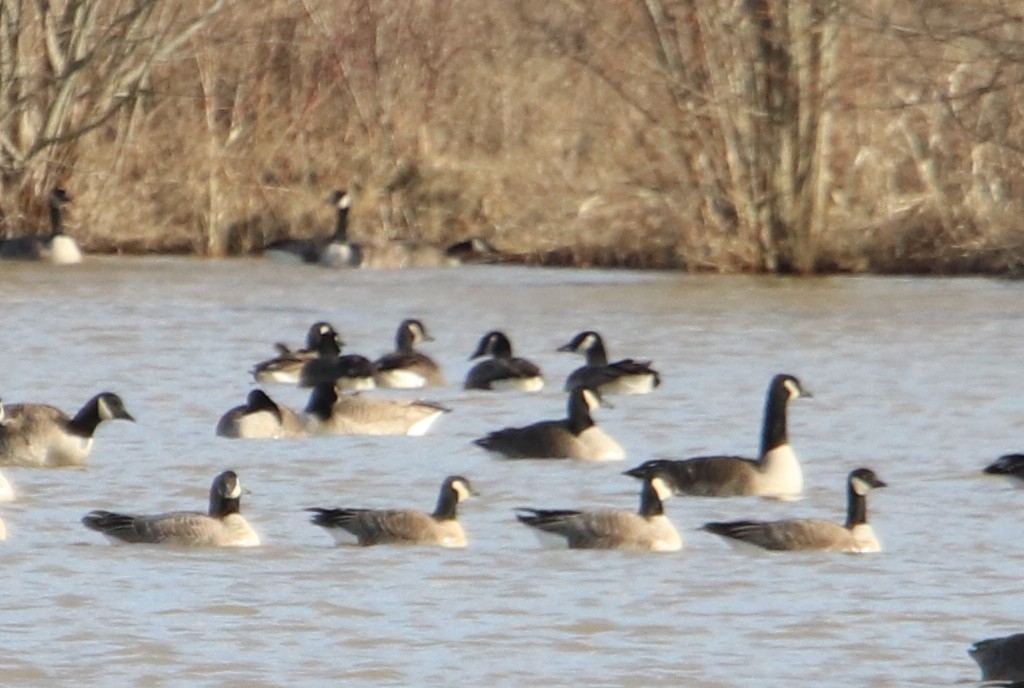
{"x": 57, "y": 247}
{"x": 39, "y": 435}
{"x": 286, "y": 367}
{"x": 332, "y": 251}
{"x": 502, "y": 371}
{"x": 622, "y": 377}
{"x": 1000, "y": 659}
{"x": 776, "y": 473}
{"x": 406, "y": 368}
{"x": 812, "y": 534}
{"x": 402, "y": 527}
{"x": 646, "y": 529}
{"x": 222, "y": 526}
{"x": 260, "y": 418}
{"x": 574, "y": 437}
{"x": 350, "y": 372}
{"x": 331, "y": 413}
{"x": 1010, "y": 465}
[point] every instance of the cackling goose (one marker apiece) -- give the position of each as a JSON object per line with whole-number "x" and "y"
{"x": 574, "y": 437}
{"x": 223, "y": 526}
{"x": 286, "y": 367}
{"x": 57, "y": 247}
{"x": 776, "y": 473}
{"x": 812, "y": 534}
{"x": 647, "y": 529}
{"x": 1000, "y": 659}
{"x": 622, "y": 377}
{"x": 502, "y": 371}
{"x": 406, "y": 527}
{"x": 350, "y": 372}
{"x": 260, "y": 418}
{"x": 406, "y": 368}
{"x": 331, "y": 413}
{"x": 39, "y": 435}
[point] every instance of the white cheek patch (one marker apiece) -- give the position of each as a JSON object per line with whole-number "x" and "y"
{"x": 859, "y": 486}
{"x": 236, "y": 491}
{"x": 460, "y": 490}
{"x": 588, "y": 342}
{"x": 592, "y": 400}
{"x": 794, "y": 391}
{"x": 661, "y": 488}
{"x": 104, "y": 410}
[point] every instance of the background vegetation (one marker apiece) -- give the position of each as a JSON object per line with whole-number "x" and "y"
{"x": 721, "y": 135}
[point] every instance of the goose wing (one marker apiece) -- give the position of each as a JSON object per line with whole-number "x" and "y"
{"x": 709, "y": 476}
{"x": 189, "y": 528}
{"x": 787, "y": 535}
{"x": 543, "y": 440}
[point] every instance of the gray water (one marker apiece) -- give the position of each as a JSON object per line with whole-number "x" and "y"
{"x": 919, "y": 379}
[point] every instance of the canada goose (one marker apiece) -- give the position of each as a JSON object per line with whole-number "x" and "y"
{"x": 260, "y": 418}
{"x": 350, "y": 372}
{"x": 646, "y": 529}
{"x": 1000, "y": 659}
{"x": 574, "y": 437}
{"x": 57, "y": 247}
{"x": 475, "y": 250}
{"x": 406, "y": 368}
{"x": 331, "y": 413}
{"x": 806, "y": 534}
{"x": 405, "y": 527}
{"x": 222, "y": 526}
{"x": 502, "y": 371}
{"x": 776, "y": 473}
{"x": 39, "y": 435}
{"x": 286, "y": 367}
{"x": 622, "y": 377}
{"x": 332, "y": 251}
{"x": 1010, "y": 465}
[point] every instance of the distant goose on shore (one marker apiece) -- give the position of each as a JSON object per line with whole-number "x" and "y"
{"x": 646, "y": 529}
{"x": 260, "y": 418}
{"x": 575, "y": 437}
{"x": 56, "y": 247}
{"x": 331, "y": 413}
{"x": 286, "y": 367}
{"x": 627, "y": 376}
{"x": 405, "y": 367}
{"x": 401, "y": 526}
{"x": 1000, "y": 659}
{"x": 350, "y": 372}
{"x": 502, "y": 371}
{"x": 811, "y": 534}
{"x": 41, "y": 436}
{"x": 334, "y": 250}
{"x": 776, "y": 473}
{"x": 221, "y": 526}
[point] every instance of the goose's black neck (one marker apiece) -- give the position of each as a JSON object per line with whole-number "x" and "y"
{"x": 579, "y": 412}
{"x": 856, "y": 507}
{"x": 322, "y": 400}
{"x": 85, "y": 421}
{"x": 404, "y": 340}
{"x": 328, "y": 347}
{"x": 221, "y": 506}
{"x": 341, "y": 225}
{"x": 596, "y": 355}
{"x": 500, "y": 346}
{"x": 447, "y": 504}
{"x": 56, "y": 218}
{"x": 650, "y": 502}
{"x": 774, "y": 433}
{"x": 259, "y": 401}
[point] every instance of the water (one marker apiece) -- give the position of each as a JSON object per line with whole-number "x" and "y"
{"x": 918, "y": 379}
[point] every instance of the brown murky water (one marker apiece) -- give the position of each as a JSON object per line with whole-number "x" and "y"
{"x": 919, "y": 379}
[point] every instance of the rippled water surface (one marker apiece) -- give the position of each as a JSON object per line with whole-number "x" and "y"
{"x": 918, "y": 379}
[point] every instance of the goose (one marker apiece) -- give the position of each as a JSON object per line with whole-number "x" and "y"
{"x": 776, "y": 474}
{"x": 331, "y": 413}
{"x": 475, "y": 250}
{"x": 222, "y": 526}
{"x": 1000, "y": 659}
{"x": 646, "y": 529}
{"x": 42, "y": 436}
{"x": 350, "y": 372}
{"x": 404, "y": 527}
{"x": 812, "y": 534}
{"x": 574, "y": 437}
{"x": 286, "y": 367}
{"x": 1010, "y": 465}
{"x": 57, "y": 247}
{"x": 260, "y": 418}
{"x": 331, "y": 251}
{"x": 622, "y": 377}
{"x": 502, "y": 371}
{"x": 406, "y": 368}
